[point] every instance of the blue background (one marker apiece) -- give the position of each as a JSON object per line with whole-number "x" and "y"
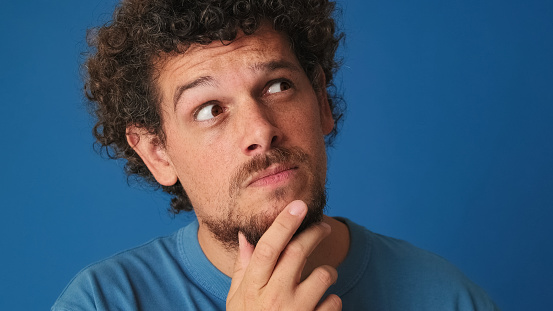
{"x": 447, "y": 143}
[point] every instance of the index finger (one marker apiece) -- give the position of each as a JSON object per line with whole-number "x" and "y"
{"x": 273, "y": 242}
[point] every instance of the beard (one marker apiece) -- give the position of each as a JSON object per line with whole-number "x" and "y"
{"x": 226, "y": 229}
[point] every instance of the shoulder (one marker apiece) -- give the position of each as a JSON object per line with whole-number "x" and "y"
{"x": 397, "y": 256}
{"x": 402, "y": 275}
{"x": 119, "y": 278}
{"x": 162, "y": 274}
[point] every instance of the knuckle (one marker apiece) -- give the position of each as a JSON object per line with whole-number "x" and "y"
{"x": 323, "y": 230}
{"x": 335, "y": 302}
{"x": 318, "y": 232}
{"x": 295, "y": 250}
{"x": 266, "y": 252}
{"x": 283, "y": 225}
{"x": 324, "y": 276}
{"x": 271, "y": 302}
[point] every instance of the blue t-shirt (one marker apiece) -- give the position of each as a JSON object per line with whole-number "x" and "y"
{"x": 172, "y": 273}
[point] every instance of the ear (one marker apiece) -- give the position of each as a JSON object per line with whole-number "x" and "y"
{"x": 327, "y": 121}
{"x": 153, "y": 154}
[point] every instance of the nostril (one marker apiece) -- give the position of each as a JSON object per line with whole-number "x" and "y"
{"x": 274, "y": 139}
{"x": 253, "y": 147}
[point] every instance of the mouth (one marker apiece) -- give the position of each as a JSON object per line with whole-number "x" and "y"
{"x": 274, "y": 175}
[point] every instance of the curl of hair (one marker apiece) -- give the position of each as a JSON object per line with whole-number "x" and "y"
{"x": 120, "y": 82}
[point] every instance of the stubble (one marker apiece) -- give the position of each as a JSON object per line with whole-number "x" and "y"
{"x": 226, "y": 229}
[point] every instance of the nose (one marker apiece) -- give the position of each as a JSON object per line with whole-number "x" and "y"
{"x": 259, "y": 131}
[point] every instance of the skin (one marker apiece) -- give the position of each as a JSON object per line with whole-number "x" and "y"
{"x": 223, "y": 105}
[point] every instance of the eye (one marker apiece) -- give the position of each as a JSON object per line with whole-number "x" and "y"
{"x": 278, "y": 86}
{"x": 208, "y": 112}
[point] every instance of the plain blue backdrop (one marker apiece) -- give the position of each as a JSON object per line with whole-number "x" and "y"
{"x": 447, "y": 144}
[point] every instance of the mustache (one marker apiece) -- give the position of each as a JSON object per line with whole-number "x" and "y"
{"x": 260, "y": 162}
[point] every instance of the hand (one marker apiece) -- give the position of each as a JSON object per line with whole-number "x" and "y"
{"x": 268, "y": 277}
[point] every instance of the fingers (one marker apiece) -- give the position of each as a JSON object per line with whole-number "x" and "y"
{"x": 273, "y": 242}
{"x": 316, "y": 284}
{"x": 331, "y": 303}
{"x": 294, "y": 256}
{"x": 245, "y": 251}
{"x": 270, "y": 273}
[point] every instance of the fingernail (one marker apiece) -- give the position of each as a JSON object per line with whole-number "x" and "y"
{"x": 324, "y": 224}
{"x": 296, "y": 208}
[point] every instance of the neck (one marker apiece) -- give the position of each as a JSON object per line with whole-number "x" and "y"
{"x": 331, "y": 251}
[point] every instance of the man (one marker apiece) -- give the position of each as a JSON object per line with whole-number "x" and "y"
{"x": 226, "y": 106}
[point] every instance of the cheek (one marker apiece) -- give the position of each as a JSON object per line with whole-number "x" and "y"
{"x": 204, "y": 188}
{"x": 304, "y": 120}
{"x": 204, "y": 173}
{"x": 308, "y": 127}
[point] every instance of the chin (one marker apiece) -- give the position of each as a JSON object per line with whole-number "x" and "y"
{"x": 255, "y": 216}
{"x": 260, "y": 223}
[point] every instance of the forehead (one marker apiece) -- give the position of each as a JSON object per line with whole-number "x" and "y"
{"x": 265, "y": 40}
{"x": 199, "y": 60}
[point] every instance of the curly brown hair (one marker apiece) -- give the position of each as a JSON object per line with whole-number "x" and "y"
{"x": 120, "y": 84}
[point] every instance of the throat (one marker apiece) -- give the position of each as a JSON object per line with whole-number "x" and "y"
{"x": 220, "y": 255}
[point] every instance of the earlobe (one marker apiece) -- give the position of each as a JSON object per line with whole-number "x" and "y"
{"x": 327, "y": 121}
{"x": 153, "y": 154}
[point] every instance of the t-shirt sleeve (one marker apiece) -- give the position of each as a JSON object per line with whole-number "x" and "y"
{"x": 79, "y": 295}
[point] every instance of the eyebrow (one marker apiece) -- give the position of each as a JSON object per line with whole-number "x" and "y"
{"x": 274, "y": 65}
{"x": 210, "y": 81}
{"x": 201, "y": 81}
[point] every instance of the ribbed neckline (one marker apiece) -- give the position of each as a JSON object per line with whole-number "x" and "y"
{"x": 354, "y": 265}
{"x": 215, "y": 282}
{"x": 196, "y": 264}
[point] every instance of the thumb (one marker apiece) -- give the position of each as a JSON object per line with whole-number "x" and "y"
{"x": 245, "y": 251}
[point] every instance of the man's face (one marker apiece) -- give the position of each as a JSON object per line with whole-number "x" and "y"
{"x": 244, "y": 132}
